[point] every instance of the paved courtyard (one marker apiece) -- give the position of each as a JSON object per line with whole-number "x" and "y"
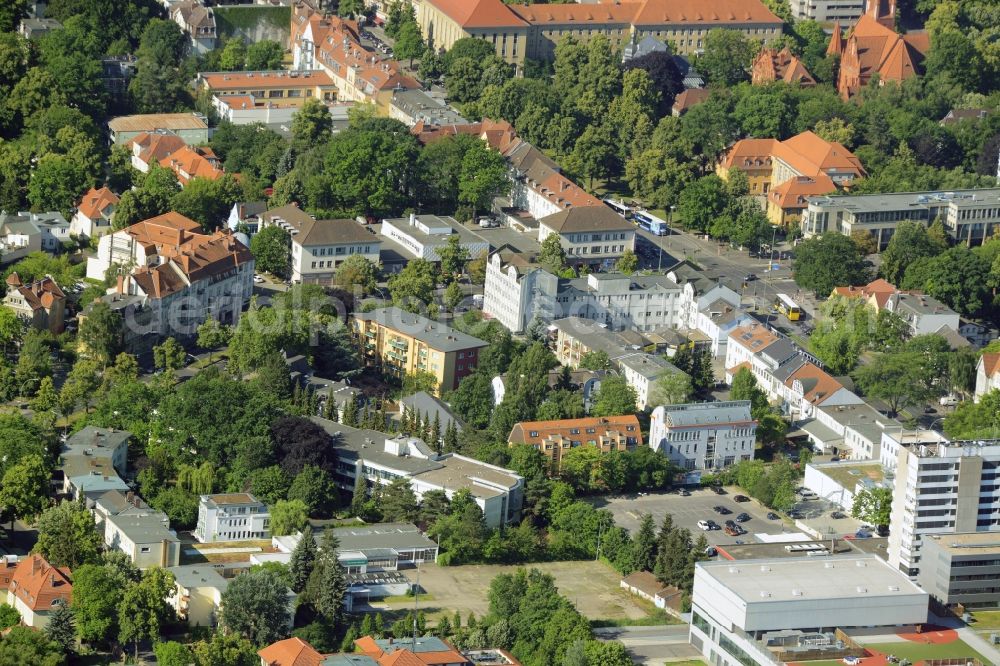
{"x": 592, "y": 586}
{"x": 687, "y": 511}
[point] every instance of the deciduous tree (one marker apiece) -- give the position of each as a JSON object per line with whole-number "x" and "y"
{"x": 255, "y": 606}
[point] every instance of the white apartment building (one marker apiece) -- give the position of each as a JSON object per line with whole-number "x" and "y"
{"x": 422, "y": 235}
{"x": 591, "y": 235}
{"x": 704, "y": 435}
{"x": 854, "y": 430}
{"x": 744, "y": 612}
{"x": 924, "y": 314}
{"x": 642, "y": 371}
{"x": 987, "y": 374}
{"x": 232, "y": 517}
{"x": 942, "y": 488}
{"x": 828, "y": 11}
{"x": 145, "y": 537}
{"x": 517, "y": 290}
{"x": 318, "y": 247}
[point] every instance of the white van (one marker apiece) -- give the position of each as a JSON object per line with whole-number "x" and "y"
{"x": 948, "y": 401}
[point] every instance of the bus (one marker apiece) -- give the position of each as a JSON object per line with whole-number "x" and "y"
{"x": 619, "y": 207}
{"x": 787, "y": 307}
{"x": 650, "y": 223}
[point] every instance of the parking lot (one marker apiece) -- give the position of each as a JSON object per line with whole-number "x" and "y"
{"x": 687, "y": 511}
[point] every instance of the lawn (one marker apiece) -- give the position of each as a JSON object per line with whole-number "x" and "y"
{"x": 985, "y": 620}
{"x": 917, "y": 651}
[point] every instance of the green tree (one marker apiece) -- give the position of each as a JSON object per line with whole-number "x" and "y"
{"x": 229, "y": 649}
{"x": 169, "y": 355}
{"x": 9, "y": 616}
{"x": 97, "y": 591}
{"x": 172, "y": 653}
{"x": 357, "y": 271}
{"x": 61, "y": 629}
{"x": 595, "y": 360}
{"x": 25, "y": 645}
{"x": 360, "y": 495}
{"x": 311, "y": 124}
{"x": 143, "y": 609}
{"x": 255, "y": 606}
{"x": 909, "y": 243}
{"x": 453, "y": 257}
{"x": 703, "y": 201}
{"x": 614, "y": 398}
{"x": 315, "y": 488}
{"x": 413, "y": 287}
{"x": 899, "y": 379}
{"x": 46, "y": 399}
{"x": 726, "y": 57}
{"x": 330, "y": 581}
{"x": 263, "y": 55}
{"x": 959, "y": 277}
{"x": 483, "y": 176}
{"x": 672, "y": 388}
{"x": 271, "y": 249}
{"x": 628, "y": 262}
{"x": 233, "y": 55}
{"x": 80, "y": 385}
{"x": 303, "y": 560}
{"x": 399, "y": 503}
{"x": 873, "y": 505}
{"x": 593, "y": 154}
{"x": 100, "y": 334}
{"x": 212, "y": 335}
{"x": 23, "y": 490}
{"x": 552, "y": 255}
{"x": 66, "y": 535}
{"x": 409, "y": 42}
{"x": 56, "y": 183}
{"x": 829, "y": 261}
{"x": 288, "y": 516}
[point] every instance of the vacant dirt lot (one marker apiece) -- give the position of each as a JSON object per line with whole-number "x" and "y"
{"x": 592, "y": 586}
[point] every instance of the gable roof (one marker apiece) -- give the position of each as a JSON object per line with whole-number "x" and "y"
{"x": 96, "y": 201}
{"x": 689, "y": 97}
{"x": 817, "y": 385}
{"x": 792, "y": 193}
{"x": 586, "y": 218}
{"x": 991, "y": 363}
{"x": 479, "y": 13}
{"x": 616, "y": 426}
{"x": 155, "y": 146}
{"x": 290, "y": 652}
{"x": 716, "y": 13}
{"x": 38, "y": 584}
{"x": 40, "y": 294}
{"x": 773, "y": 65}
{"x": 747, "y": 153}
{"x": 810, "y": 155}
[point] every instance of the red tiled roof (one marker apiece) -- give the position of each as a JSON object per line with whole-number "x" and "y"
{"x": 578, "y": 14}
{"x": 96, "y": 201}
{"x": 772, "y": 65}
{"x": 223, "y": 81}
{"x": 188, "y": 163}
{"x": 38, "y": 584}
{"x": 690, "y": 97}
{"x": 749, "y": 153}
{"x": 792, "y": 193}
{"x": 617, "y": 425}
{"x": 40, "y": 294}
{"x": 817, "y": 384}
{"x": 721, "y": 13}
{"x": 810, "y": 155}
{"x": 155, "y": 146}
{"x": 290, "y": 652}
{"x": 479, "y": 13}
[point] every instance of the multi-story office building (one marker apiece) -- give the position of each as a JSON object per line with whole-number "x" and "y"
{"x": 555, "y": 438}
{"x": 232, "y": 517}
{"x": 942, "y": 488}
{"x": 403, "y": 343}
{"x": 765, "y": 611}
{"x": 704, "y": 435}
{"x": 969, "y": 216}
{"x": 962, "y": 569}
{"x": 826, "y": 11}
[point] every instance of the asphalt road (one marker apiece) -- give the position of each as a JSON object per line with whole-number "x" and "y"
{"x": 687, "y": 511}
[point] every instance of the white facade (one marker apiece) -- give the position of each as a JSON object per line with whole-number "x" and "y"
{"x": 704, "y": 436}
{"x": 827, "y": 11}
{"x": 987, "y": 375}
{"x": 145, "y": 537}
{"x": 232, "y": 517}
{"x": 923, "y": 314}
{"x": 942, "y": 488}
{"x": 594, "y": 246}
{"x": 422, "y": 235}
{"x": 319, "y": 263}
{"x": 641, "y": 371}
{"x": 735, "y": 604}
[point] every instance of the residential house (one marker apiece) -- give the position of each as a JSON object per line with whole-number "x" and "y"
{"x": 688, "y": 98}
{"x": 36, "y": 588}
{"x": 584, "y": 382}
{"x": 188, "y": 163}
{"x": 145, "y": 537}
{"x": 539, "y": 187}
{"x": 769, "y": 162}
{"x": 555, "y": 438}
{"x": 191, "y": 127}
{"x": 381, "y": 458}
{"x": 179, "y": 273}
{"x": 198, "y": 22}
{"x": 402, "y": 343}
{"x": 704, "y": 435}
{"x": 333, "y": 45}
{"x": 94, "y": 213}
{"x": 969, "y": 216}
{"x": 958, "y": 116}
{"x": 642, "y": 371}
{"x": 924, "y": 314}
{"x": 19, "y": 237}
{"x": 197, "y": 597}
{"x": 410, "y": 106}
{"x": 423, "y": 235}
{"x": 296, "y": 652}
{"x": 852, "y": 430}
{"x": 592, "y": 236}
{"x": 40, "y": 304}
{"x": 873, "y": 49}
{"x": 232, "y": 517}
{"x": 35, "y": 27}
{"x": 576, "y": 337}
{"x": 92, "y": 454}
{"x": 152, "y": 148}
{"x": 772, "y": 65}
{"x": 645, "y": 585}
{"x": 318, "y": 247}
{"x": 987, "y": 374}
{"x": 787, "y": 202}
{"x": 245, "y": 216}
{"x": 425, "y": 651}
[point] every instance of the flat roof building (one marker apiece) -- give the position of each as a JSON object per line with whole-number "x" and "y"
{"x": 962, "y": 568}
{"x": 737, "y": 607}
{"x": 704, "y": 435}
{"x": 423, "y": 235}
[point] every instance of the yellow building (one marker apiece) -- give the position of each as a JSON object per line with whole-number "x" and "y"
{"x": 752, "y": 157}
{"x": 787, "y": 202}
{"x": 444, "y": 22}
{"x": 402, "y": 343}
{"x": 284, "y": 87}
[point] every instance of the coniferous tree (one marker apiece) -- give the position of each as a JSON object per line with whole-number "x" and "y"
{"x": 360, "y": 494}
{"x": 350, "y": 410}
{"x": 436, "y": 432}
{"x": 329, "y": 600}
{"x": 451, "y": 437}
{"x": 303, "y": 560}
{"x": 61, "y": 628}
{"x": 330, "y": 409}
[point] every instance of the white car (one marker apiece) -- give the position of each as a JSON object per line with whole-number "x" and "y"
{"x": 704, "y": 525}
{"x": 948, "y": 401}
{"x": 258, "y": 279}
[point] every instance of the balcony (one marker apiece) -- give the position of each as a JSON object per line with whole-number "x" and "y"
{"x": 400, "y": 344}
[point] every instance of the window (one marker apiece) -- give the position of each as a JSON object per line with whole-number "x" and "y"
{"x": 144, "y": 549}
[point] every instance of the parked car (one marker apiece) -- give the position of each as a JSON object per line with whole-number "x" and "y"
{"x": 711, "y": 551}
{"x": 257, "y": 278}
{"x": 730, "y": 523}
{"x": 683, "y": 492}
{"x": 795, "y": 514}
{"x": 948, "y": 401}
{"x": 732, "y": 531}
{"x": 721, "y": 510}
{"x": 718, "y": 490}
{"x": 838, "y": 515}
{"x": 771, "y": 515}
{"x": 712, "y": 525}
{"x": 743, "y": 517}
{"x": 741, "y": 498}
{"x": 704, "y": 525}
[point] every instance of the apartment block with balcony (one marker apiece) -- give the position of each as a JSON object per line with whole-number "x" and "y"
{"x": 704, "y": 435}
{"x": 401, "y": 343}
{"x": 941, "y": 488}
{"x": 555, "y": 438}
{"x": 232, "y": 517}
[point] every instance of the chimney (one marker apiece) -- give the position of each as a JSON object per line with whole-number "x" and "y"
{"x": 52, "y": 580}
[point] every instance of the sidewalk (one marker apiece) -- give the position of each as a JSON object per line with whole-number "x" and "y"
{"x": 974, "y": 640}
